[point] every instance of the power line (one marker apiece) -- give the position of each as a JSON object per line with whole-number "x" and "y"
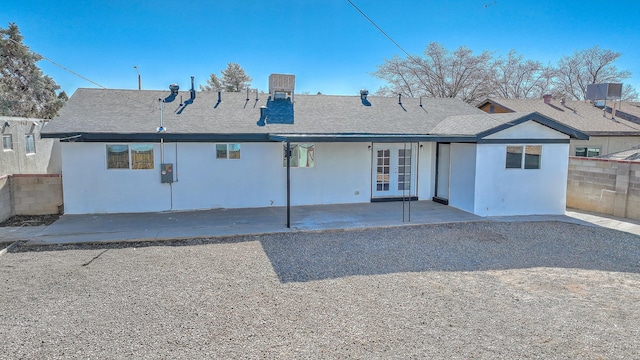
{"x": 58, "y": 65}
{"x": 394, "y": 42}
{"x": 378, "y": 27}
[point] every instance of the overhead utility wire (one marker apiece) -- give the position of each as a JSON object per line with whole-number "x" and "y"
{"x": 390, "y": 39}
{"x": 60, "y": 66}
{"x": 378, "y": 27}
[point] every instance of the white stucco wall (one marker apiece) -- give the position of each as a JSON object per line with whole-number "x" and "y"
{"x": 501, "y": 191}
{"x": 462, "y": 178}
{"x": 341, "y": 174}
{"x": 426, "y": 170}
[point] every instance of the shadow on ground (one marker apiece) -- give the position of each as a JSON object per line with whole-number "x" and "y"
{"x": 454, "y": 247}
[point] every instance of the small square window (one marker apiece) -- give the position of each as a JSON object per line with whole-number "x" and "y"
{"x": 221, "y": 151}
{"x": 30, "y": 144}
{"x": 117, "y": 156}
{"x": 532, "y": 156}
{"x": 587, "y": 151}
{"x": 234, "y": 151}
{"x": 227, "y": 151}
{"x": 514, "y": 157}
{"x": 531, "y": 159}
{"x": 142, "y": 156}
{"x": 302, "y": 155}
{"x": 7, "y": 142}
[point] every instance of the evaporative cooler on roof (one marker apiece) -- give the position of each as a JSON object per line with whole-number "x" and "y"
{"x": 281, "y": 86}
{"x": 607, "y": 91}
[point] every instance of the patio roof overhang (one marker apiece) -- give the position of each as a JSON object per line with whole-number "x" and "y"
{"x": 256, "y": 137}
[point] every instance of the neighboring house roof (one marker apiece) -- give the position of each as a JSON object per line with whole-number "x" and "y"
{"x": 630, "y": 154}
{"x": 134, "y": 115}
{"x": 480, "y": 126}
{"x": 580, "y": 115}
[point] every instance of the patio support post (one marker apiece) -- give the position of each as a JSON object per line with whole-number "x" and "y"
{"x": 288, "y": 185}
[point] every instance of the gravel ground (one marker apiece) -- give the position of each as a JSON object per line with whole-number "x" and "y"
{"x": 466, "y": 291}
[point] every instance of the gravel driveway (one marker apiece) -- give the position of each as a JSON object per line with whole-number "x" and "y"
{"x": 484, "y": 290}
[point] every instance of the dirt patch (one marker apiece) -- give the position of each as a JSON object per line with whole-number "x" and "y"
{"x": 30, "y": 220}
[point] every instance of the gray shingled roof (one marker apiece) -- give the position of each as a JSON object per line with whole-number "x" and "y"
{"x": 485, "y": 124}
{"x": 471, "y": 125}
{"x": 106, "y": 111}
{"x": 580, "y": 115}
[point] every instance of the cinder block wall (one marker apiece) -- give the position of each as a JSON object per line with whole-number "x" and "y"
{"x": 39, "y": 194}
{"x": 25, "y": 194}
{"x": 604, "y": 186}
{"x": 6, "y": 207}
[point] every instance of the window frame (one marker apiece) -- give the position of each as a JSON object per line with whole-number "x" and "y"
{"x": 130, "y": 157}
{"x": 295, "y": 160}
{"x": 10, "y": 142}
{"x": 232, "y": 151}
{"x": 30, "y": 139}
{"x": 524, "y": 161}
{"x": 587, "y": 148}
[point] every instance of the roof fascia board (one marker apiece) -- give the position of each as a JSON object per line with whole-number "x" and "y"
{"x": 148, "y": 137}
{"x": 381, "y": 138}
{"x": 523, "y": 141}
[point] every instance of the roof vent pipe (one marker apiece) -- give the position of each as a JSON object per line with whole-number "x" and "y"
{"x": 547, "y": 98}
{"x": 400, "y": 99}
{"x": 247, "y": 99}
{"x": 219, "y": 96}
{"x": 193, "y": 90}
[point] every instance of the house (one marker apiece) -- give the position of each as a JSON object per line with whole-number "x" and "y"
{"x": 607, "y": 133}
{"x": 148, "y": 151}
{"x": 23, "y": 151}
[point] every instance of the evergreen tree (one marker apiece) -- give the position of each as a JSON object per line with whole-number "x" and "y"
{"x": 24, "y": 90}
{"x": 234, "y": 79}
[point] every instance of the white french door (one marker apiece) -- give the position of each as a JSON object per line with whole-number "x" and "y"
{"x": 394, "y": 170}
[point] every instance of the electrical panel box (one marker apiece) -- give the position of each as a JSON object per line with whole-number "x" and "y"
{"x": 166, "y": 173}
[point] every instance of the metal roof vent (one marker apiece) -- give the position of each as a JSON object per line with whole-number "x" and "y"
{"x": 174, "y": 89}
{"x": 364, "y": 93}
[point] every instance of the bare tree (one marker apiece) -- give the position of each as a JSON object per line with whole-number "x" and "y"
{"x": 440, "y": 73}
{"x": 584, "y": 67}
{"x": 462, "y": 74}
{"x": 515, "y": 78}
{"x": 24, "y": 89}
{"x": 629, "y": 93}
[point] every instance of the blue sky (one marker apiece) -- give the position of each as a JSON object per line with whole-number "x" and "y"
{"x": 327, "y": 44}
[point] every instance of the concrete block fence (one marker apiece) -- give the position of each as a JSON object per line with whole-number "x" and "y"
{"x": 604, "y": 186}
{"x": 30, "y": 194}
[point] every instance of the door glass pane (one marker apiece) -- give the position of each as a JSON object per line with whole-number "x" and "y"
{"x": 404, "y": 169}
{"x": 382, "y": 170}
